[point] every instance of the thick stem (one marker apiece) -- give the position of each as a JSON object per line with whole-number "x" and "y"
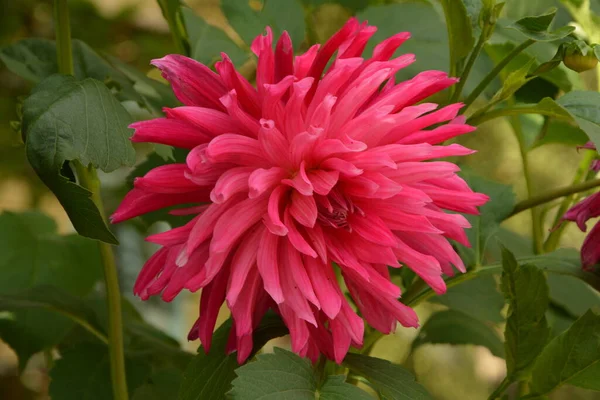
{"x": 177, "y": 31}
{"x": 62, "y": 27}
{"x": 536, "y": 227}
{"x": 500, "y": 389}
{"x": 552, "y": 195}
{"x": 88, "y": 179}
{"x": 468, "y": 66}
{"x": 494, "y": 72}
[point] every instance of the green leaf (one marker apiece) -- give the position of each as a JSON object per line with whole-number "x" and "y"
{"x": 527, "y": 330}
{"x": 284, "y": 374}
{"x": 211, "y": 374}
{"x": 35, "y": 59}
{"x": 573, "y": 357}
{"x": 392, "y": 381}
{"x": 33, "y": 255}
{"x": 457, "y": 328}
{"x": 53, "y": 299}
{"x": 486, "y": 224}
{"x": 163, "y": 384}
{"x": 428, "y": 42}
{"x": 573, "y": 295}
{"x": 536, "y": 28}
{"x": 66, "y": 120}
{"x": 584, "y": 107}
{"x": 504, "y": 40}
{"x": 83, "y": 373}
{"x": 335, "y": 387}
{"x": 564, "y": 133}
{"x": 208, "y": 42}
{"x": 478, "y": 297}
{"x": 460, "y": 34}
{"x": 513, "y": 82}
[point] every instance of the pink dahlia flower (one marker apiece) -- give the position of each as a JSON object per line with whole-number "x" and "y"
{"x": 314, "y": 172}
{"x": 581, "y": 213}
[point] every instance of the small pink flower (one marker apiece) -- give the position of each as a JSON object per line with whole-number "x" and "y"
{"x": 581, "y": 213}
{"x": 318, "y": 171}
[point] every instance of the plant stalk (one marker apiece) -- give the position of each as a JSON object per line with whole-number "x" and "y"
{"x": 468, "y": 66}
{"x": 511, "y": 111}
{"x": 554, "y": 194}
{"x": 500, "y": 389}
{"x": 536, "y": 227}
{"x": 89, "y": 179}
{"x": 494, "y": 72}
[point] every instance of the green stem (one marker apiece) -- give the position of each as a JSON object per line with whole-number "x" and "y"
{"x": 64, "y": 52}
{"x": 523, "y": 388}
{"x": 516, "y": 110}
{"x": 89, "y": 180}
{"x": 554, "y": 194}
{"x": 578, "y": 182}
{"x": 536, "y": 227}
{"x": 500, "y": 389}
{"x": 176, "y": 29}
{"x": 494, "y": 72}
{"x": 468, "y": 66}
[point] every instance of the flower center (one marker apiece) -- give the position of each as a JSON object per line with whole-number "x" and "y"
{"x": 334, "y": 209}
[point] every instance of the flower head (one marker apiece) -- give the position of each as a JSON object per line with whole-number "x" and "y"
{"x": 581, "y": 213}
{"x": 316, "y": 172}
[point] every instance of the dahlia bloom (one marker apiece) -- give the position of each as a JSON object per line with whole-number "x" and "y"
{"x": 316, "y": 172}
{"x": 581, "y": 213}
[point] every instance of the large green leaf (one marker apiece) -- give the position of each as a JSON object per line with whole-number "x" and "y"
{"x": 67, "y": 120}
{"x": 34, "y": 59}
{"x": 477, "y": 297}
{"x": 584, "y": 107}
{"x": 284, "y": 374}
{"x": 83, "y": 373}
{"x": 572, "y": 357}
{"x": 34, "y": 255}
{"x": 527, "y": 330}
{"x": 163, "y": 384}
{"x": 53, "y": 299}
{"x": 211, "y": 374}
{"x": 573, "y": 295}
{"x": 392, "y": 381}
{"x": 457, "y": 328}
{"x": 429, "y": 38}
{"x": 208, "y": 42}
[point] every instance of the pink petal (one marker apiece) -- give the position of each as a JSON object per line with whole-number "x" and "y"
{"x": 303, "y": 209}
{"x": 268, "y": 265}
{"x": 194, "y": 84}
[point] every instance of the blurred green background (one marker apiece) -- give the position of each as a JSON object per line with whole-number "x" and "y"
{"x": 135, "y": 32}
